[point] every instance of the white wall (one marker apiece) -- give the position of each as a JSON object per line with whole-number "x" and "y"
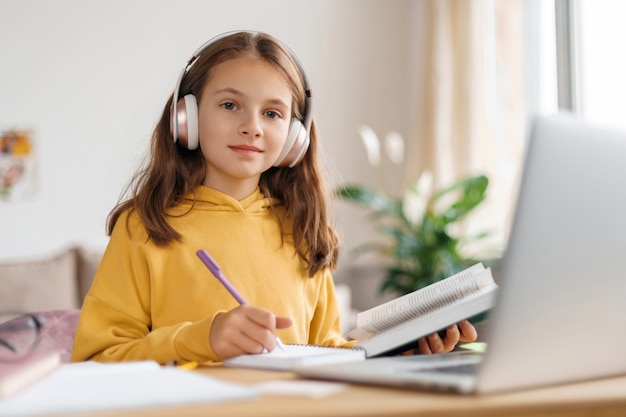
{"x": 91, "y": 76}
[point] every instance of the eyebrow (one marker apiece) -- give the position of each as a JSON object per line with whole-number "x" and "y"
{"x": 274, "y": 101}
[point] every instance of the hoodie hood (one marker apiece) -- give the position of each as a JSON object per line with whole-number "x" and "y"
{"x": 209, "y": 199}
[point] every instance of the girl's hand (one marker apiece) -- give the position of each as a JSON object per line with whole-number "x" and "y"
{"x": 460, "y": 332}
{"x": 245, "y": 329}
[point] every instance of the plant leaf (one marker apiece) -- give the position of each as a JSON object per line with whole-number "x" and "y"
{"x": 471, "y": 192}
{"x": 365, "y": 197}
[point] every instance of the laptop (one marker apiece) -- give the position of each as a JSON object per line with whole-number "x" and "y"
{"x": 560, "y": 312}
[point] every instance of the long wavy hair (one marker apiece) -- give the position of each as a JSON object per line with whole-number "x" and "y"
{"x": 171, "y": 172}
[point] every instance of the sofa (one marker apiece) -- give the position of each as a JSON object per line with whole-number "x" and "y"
{"x": 58, "y": 281}
{"x": 52, "y": 288}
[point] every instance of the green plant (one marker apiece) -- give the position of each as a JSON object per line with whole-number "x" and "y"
{"x": 422, "y": 246}
{"x": 425, "y": 251}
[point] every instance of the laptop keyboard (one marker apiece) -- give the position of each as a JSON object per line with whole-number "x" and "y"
{"x": 464, "y": 369}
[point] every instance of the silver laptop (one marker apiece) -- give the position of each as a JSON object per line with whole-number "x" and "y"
{"x": 560, "y": 315}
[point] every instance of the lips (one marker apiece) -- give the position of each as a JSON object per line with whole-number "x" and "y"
{"x": 245, "y": 148}
{"x": 246, "y": 151}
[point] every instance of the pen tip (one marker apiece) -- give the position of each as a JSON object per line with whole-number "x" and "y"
{"x": 280, "y": 344}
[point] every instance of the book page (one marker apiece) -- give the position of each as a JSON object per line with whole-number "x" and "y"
{"x": 422, "y": 301}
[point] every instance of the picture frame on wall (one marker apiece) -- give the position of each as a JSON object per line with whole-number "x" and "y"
{"x": 18, "y": 164}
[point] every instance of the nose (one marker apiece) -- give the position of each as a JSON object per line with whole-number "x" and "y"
{"x": 251, "y": 126}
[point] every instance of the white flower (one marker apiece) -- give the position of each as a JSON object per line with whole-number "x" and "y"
{"x": 394, "y": 146}
{"x": 425, "y": 184}
{"x": 415, "y": 199}
{"x": 371, "y": 144}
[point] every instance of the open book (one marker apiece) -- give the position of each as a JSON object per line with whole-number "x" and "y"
{"x": 394, "y": 326}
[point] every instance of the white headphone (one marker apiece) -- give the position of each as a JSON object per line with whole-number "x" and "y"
{"x": 184, "y": 115}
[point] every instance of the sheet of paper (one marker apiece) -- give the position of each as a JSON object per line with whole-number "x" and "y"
{"x": 313, "y": 389}
{"x": 91, "y": 386}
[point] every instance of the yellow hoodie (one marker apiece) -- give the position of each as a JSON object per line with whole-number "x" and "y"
{"x": 151, "y": 302}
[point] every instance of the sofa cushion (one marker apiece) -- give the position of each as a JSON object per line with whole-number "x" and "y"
{"x": 88, "y": 261}
{"x": 40, "y": 284}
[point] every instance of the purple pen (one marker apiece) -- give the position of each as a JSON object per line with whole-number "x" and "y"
{"x": 217, "y": 271}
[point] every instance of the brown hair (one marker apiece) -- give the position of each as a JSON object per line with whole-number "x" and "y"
{"x": 171, "y": 172}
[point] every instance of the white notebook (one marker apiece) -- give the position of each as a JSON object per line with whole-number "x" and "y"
{"x": 297, "y": 355}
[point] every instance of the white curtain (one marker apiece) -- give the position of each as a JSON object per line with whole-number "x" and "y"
{"x": 471, "y": 115}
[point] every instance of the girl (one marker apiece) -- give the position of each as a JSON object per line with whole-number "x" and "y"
{"x": 233, "y": 169}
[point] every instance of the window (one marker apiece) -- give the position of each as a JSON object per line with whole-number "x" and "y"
{"x": 600, "y": 30}
{"x": 591, "y": 66}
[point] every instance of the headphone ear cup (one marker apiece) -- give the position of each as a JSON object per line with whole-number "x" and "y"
{"x": 295, "y": 146}
{"x": 192, "y": 121}
{"x": 187, "y": 121}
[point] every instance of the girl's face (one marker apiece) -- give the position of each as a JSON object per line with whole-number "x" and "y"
{"x": 244, "y": 115}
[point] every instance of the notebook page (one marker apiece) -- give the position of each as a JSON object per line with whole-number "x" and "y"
{"x": 296, "y": 355}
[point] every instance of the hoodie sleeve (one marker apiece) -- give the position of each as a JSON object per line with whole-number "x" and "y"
{"x": 325, "y": 326}
{"x": 115, "y": 321}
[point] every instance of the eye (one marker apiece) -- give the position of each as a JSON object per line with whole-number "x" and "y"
{"x": 229, "y": 105}
{"x": 272, "y": 114}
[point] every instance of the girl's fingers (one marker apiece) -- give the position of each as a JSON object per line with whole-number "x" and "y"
{"x": 423, "y": 346}
{"x": 468, "y": 332}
